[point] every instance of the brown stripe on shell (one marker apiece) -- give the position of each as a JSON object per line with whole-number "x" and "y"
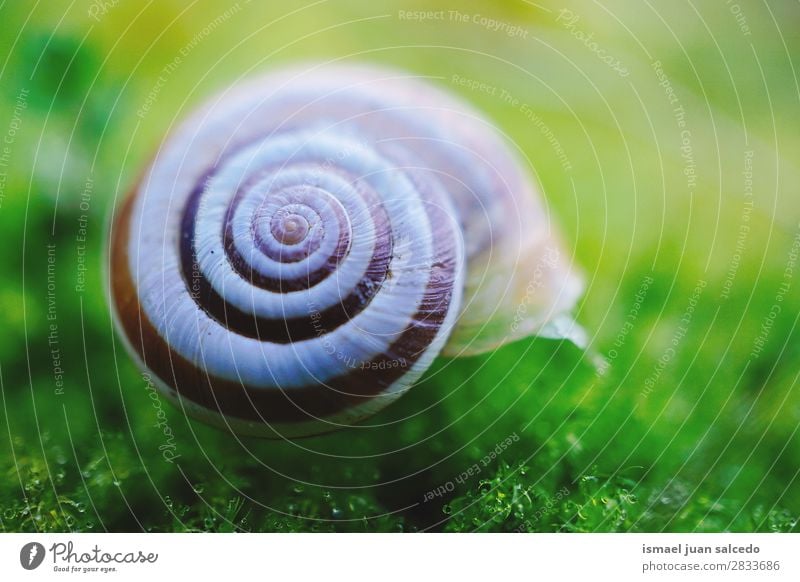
{"x": 299, "y": 404}
{"x": 243, "y": 268}
{"x": 282, "y": 330}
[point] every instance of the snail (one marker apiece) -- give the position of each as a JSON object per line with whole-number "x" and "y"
{"x": 304, "y": 245}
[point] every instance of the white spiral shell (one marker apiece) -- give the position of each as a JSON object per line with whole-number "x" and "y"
{"x": 303, "y": 246}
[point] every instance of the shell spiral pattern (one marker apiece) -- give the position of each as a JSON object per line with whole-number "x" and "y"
{"x": 303, "y": 246}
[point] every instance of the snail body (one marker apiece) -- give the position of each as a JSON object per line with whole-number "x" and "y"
{"x": 303, "y": 246}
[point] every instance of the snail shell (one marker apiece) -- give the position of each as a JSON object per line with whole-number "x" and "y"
{"x": 303, "y": 246}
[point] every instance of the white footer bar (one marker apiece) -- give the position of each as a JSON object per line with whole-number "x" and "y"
{"x": 388, "y": 557}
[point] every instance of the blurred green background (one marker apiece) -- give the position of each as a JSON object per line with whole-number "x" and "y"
{"x": 665, "y": 137}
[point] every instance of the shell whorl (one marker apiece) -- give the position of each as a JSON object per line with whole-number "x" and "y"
{"x": 299, "y": 250}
